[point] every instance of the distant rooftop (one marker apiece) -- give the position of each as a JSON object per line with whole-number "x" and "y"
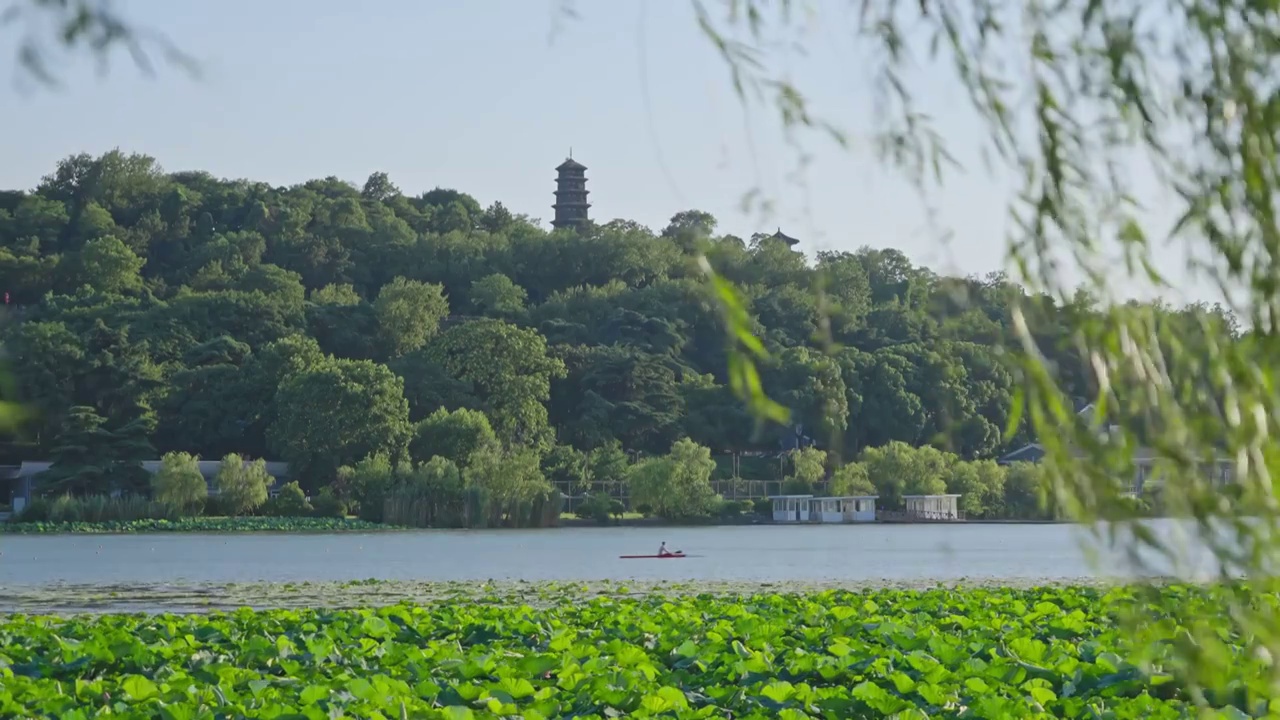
{"x": 779, "y": 235}
{"x": 571, "y": 164}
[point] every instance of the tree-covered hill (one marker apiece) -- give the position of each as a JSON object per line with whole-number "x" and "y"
{"x": 325, "y": 322}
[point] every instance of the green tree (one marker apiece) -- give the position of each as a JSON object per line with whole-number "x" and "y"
{"x": 46, "y": 360}
{"x": 690, "y": 229}
{"x": 437, "y": 478}
{"x": 677, "y": 485}
{"x": 409, "y": 314}
{"x": 242, "y": 485}
{"x": 336, "y": 413}
{"x": 980, "y": 485}
{"x": 1026, "y": 491}
{"x": 341, "y": 295}
{"x": 714, "y": 417}
{"x": 607, "y": 467}
{"x": 808, "y": 468}
{"x": 209, "y": 406}
{"x": 843, "y": 279}
{"x": 617, "y": 393}
{"x": 379, "y": 188}
{"x": 882, "y": 408}
{"x": 496, "y": 296}
{"x": 898, "y": 469}
{"x": 131, "y": 447}
{"x": 109, "y": 266}
{"x": 178, "y": 483}
{"x": 566, "y": 467}
{"x": 82, "y": 458}
{"x": 368, "y": 482}
{"x": 291, "y": 501}
{"x": 852, "y": 479}
{"x": 510, "y": 371}
{"x": 455, "y": 436}
{"x": 27, "y": 272}
{"x": 343, "y": 330}
{"x": 431, "y": 494}
{"x": 89, "y": 457}
{"x": 508, "y": 479}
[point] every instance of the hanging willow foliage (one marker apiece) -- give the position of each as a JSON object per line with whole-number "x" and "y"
{"x": 1071, "y": 91}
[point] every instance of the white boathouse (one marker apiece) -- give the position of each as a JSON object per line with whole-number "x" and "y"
{"x": 810, "y": 509}
{"x": 791, "y": 508}
{"x": 932, "y": 507}
{"x": 844, "y": 509}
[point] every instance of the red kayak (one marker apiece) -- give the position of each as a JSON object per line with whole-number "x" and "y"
{"x": 655, "y": 557}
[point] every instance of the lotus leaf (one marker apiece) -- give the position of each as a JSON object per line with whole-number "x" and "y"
{"x": 982, "y": 652}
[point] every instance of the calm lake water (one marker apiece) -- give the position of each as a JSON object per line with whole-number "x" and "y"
{"x": 725, "y": 553}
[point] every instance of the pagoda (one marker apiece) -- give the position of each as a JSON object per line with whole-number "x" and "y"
{"x": 571, "y": 194}
{"x": 790, "y": 241}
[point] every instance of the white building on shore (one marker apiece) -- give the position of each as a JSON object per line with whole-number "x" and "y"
{"x": 845, "y": 509}
{"x": 791, "y": 508}
{"x": 810, "y": 509}
{"x": 932, "y": 507}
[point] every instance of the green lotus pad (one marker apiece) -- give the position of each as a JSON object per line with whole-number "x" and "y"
{"x": 979, "y": 652}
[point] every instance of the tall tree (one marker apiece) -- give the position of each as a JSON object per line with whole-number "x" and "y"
{"x": 178, "y": 484}
{"x": 337, "y": 413}
{"x": 106, "y": 265}
{"x": 409, "y": 314}
{"x": 511, "y": 374}
{"x": 677, "y": 485}
{"x": 82, "y": 457}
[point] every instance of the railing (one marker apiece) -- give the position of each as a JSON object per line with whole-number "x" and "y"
{"x": 742, "y": 489}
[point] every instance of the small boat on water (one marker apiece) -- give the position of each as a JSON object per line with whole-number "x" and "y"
{"x": 653, "y": 557}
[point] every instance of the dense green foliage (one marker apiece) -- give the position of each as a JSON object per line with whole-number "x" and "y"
{"x": 322, "y": 324}
{"x": 196, "y": 524}
{"x": 1042, "y": 653}
{"x": 494, "y": 488}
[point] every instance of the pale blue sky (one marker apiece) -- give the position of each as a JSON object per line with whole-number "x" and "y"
{"x": 481, "y": 97}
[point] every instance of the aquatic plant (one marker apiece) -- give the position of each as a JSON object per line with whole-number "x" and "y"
{"x": 1043, "y": 652}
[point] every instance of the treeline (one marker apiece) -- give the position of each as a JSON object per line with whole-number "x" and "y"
{"x": 987, "y": 490}
{"x": 178, "y": 489}
{"x": 333, "y": 326}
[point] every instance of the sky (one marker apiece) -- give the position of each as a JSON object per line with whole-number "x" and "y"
{"x": 488, "y": 97}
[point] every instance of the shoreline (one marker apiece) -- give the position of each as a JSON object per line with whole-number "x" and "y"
{"x": 200, "y": 524}
{"x": 99, "y": 529}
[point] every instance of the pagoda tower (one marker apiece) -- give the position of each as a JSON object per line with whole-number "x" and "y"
{"x": 571, "y": 194}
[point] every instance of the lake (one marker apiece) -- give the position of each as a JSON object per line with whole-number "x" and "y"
{"x": 760, "y": 553}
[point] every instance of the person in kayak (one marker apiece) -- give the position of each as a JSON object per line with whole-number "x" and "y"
{"x": 663, "y": 551}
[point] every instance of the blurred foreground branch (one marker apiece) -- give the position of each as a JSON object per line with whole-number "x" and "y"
{"x": 45, "y": 26}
